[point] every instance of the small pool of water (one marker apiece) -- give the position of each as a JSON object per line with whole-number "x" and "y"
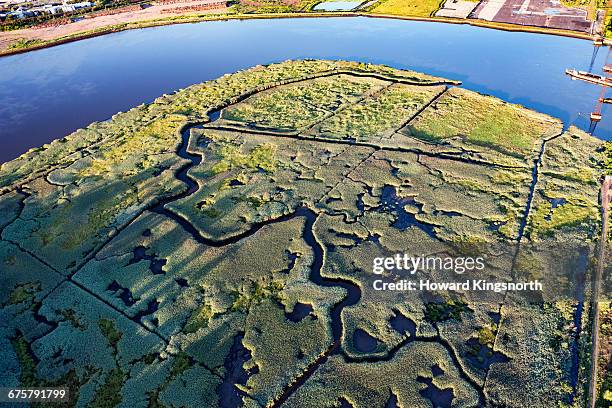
{"x": 336, "y": 5}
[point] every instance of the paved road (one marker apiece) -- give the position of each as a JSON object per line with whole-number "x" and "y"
{"x": 605, "y": 204}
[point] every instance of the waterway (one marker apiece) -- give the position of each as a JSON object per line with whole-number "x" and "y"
{"x": 49, "y": 93}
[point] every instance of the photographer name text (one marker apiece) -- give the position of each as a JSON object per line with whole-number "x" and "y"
{"x": 409, "y": 265}
{"x": 467, "y": 285}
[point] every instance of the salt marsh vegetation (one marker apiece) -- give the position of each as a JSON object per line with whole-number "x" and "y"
{"x": 163, "y": 251}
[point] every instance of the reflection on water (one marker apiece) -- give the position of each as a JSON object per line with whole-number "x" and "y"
{"x": 337, "y": 5}
{"x": 49, "y": 93}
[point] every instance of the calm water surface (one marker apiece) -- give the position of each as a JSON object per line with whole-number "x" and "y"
{"x": 49, "y": 93}
{"x": 337, "y": 5}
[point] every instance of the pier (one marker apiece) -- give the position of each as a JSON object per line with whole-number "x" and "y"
{"x": 604, "y": 80}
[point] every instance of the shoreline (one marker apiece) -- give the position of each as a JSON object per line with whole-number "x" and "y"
{"x": 203, "y": 18}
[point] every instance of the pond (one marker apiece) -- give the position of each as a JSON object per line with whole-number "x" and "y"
{"x": 336, "y": 5}
{"x": 49, "y": 93}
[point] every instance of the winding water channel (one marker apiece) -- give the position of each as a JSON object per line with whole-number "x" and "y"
{"x": 47, "y": 94}
{"x": 229, "y": 394}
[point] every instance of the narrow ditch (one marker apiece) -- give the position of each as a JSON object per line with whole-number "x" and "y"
{"x": 318, "y": 139}
{"x": 575, "y": 349}
{"x": 574, "y": 370}
{"x": 353, "y": 296}
{"x": 534, "y": 181}
{"x": 353, "y": 291}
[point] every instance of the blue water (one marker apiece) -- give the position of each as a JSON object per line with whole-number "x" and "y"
{"x": 47, "y": 94}
{"x": 337, "y": 5}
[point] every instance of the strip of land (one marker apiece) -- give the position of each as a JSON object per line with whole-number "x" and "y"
{"x": 100, "y": 23}
{"x": 606, "y": 198}
{"x": 536, "y": 17}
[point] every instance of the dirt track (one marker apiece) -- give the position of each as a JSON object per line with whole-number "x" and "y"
{"x": 606, "y": 198}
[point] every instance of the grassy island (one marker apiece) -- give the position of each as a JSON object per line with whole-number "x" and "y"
{"x": 214, "y": 247}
